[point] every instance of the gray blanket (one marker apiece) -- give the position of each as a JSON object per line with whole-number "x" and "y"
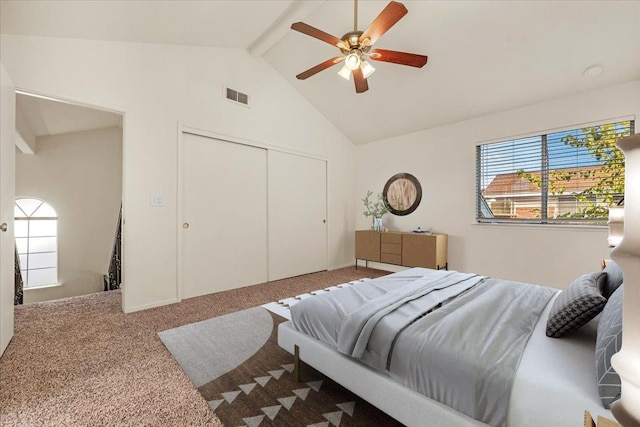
{"x": 456, "y": 338}
{"x": 322, "y": 318}
{"x": 390, "y": 313}
{"x": 466, "y": 354}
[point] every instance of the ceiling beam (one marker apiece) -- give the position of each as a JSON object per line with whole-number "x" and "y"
{"x": 23, "y": 145}
{"x": 297, "y": 11}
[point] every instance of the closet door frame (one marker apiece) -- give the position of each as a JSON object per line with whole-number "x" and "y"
{"x": 181, "y": 130}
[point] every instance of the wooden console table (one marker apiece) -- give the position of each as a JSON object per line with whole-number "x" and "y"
{"x": 406, "y": 249}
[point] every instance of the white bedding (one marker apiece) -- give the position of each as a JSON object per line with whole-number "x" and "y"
{"x": 554, "y": 384}
{"x": 556, "y": 380}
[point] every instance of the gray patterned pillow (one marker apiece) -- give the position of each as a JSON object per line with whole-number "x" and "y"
{"x": 608, "y": 343}
{"x": 614, "y": 279}
{"x": 576, "y": 305}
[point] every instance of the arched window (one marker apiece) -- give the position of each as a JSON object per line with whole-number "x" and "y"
{"x": 36, "y": 230}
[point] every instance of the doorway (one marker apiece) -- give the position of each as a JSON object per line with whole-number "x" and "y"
{"x": 68, "y": 190}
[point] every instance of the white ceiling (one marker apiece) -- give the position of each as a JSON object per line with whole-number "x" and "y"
{"x": 484, "y": 56}
{"x": 229, "y": 24}
{"x": 47, "y": 117}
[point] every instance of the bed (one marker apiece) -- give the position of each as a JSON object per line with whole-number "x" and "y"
{"x": 553, "y": 383}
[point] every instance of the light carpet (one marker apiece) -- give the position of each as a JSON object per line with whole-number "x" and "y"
{"x": 82, "y": 362}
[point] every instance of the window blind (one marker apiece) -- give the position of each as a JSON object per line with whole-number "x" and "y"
{"x": 571, "y": 176}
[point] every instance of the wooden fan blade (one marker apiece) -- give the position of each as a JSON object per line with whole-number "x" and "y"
{"x": 316, "y": 33}
{"x": 323, "y": 66}
{"x": 387, "y": 19}
{"x": 401, "y": 58}
{"x": 360, "y": 81}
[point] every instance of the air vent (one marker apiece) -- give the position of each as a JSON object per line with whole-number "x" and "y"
{"x": 236, "y": 96}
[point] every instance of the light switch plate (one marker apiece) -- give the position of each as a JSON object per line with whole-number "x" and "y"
{"x": 157, "y": 200}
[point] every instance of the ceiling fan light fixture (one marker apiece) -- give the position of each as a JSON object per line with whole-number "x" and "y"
{"x": 367, "y": 69}
{"x": 353, "y": 61}
{"x": 356, "y": 47}
{"x": 345, "y": 72}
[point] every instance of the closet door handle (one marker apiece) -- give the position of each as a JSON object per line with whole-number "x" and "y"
{"x": 3, "y": 226}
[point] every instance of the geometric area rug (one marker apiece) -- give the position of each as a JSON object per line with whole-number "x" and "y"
{"x": 237, "y": 366}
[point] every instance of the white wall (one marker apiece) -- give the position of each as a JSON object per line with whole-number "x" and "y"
{"x": 157, "y": 87}
{"x": 443, "y": 160}
{"x": 80, "y": 175}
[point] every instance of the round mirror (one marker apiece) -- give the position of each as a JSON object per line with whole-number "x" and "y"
{"x": 402, "y": 194}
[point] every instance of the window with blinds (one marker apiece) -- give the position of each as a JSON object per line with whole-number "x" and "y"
{"x": 565, "y": 177}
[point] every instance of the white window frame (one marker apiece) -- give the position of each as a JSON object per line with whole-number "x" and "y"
{"x": 483, "y": 208}
{"x": 30, "y": 219}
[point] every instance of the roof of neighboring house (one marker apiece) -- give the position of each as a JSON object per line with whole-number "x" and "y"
{"x": 511, "y": 183}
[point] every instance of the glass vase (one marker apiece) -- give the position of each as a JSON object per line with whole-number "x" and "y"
{"x": 377, "y": 223}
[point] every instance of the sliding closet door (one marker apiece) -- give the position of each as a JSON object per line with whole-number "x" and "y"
{"x": 297, "y": 215}
{"x": 224, "y": 214}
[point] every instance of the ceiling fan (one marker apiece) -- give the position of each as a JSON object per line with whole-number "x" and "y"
{"x": 356, "y": 47}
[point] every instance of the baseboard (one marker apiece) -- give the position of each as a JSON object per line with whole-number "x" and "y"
{"x": 151, "y": 305}
{"x": 337, "y": 267}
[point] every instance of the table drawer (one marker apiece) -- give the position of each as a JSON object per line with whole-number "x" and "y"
{"x": 391, "y": 259}
{"x": 391, "y": 248}
{"x": 391, "y": 238}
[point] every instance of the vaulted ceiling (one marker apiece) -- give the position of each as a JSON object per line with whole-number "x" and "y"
{"x": 48, "y": 117}
{"x": 484, "y": 56}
